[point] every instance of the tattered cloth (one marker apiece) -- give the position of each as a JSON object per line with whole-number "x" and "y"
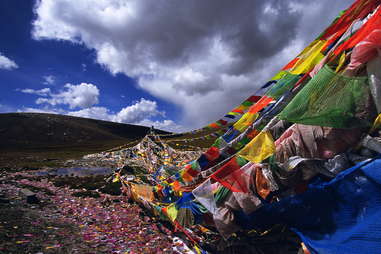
{"x": 340, "y": 216}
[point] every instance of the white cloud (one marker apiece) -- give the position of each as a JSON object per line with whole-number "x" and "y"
{"x": 138, "y": 113}
{"x": 6, "y": 63}
{"x": 40, "y": 110}
{"x": 85, "y": 96}
{"x": 205, "y": 56}
{"x": 167, "y": 125}
{"x": 100, "y": 113}
{"x": 41, "y": 92}
{"x": 75, "y": 96}
{"x": 49, "y": 79}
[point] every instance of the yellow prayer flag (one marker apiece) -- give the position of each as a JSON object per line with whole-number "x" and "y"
{"x": 341, "y": 62}
{"x": 116, "y": 178}
{"x": 172, "y": 212}
{"x": 245, "y": 121}
{"x": 197, "y": 249}
{"x": 279, "y": 75}
{"x": 377, "y": 123}
{"x": 309, "y": 57}
{"x": 259, "y": 148}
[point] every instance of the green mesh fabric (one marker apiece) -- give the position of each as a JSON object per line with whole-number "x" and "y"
{"x": 239, "y": 145}
{"x": 331, "y": 100}
{"x": 247, "y": 103}
{"x": 219, "y": 143}
{"x": 285, "y": 83}
{"x": 201, "y": 207}
{"x": 221, "y": 195}
{"x": 185, "y": 217}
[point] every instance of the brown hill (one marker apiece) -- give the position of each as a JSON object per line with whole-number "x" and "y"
{"x": 40, "y": 136}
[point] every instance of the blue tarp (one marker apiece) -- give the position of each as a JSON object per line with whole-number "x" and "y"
{"x": 339, "y": 216}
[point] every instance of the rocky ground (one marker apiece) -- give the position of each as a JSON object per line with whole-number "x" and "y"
{"x": 67, "y": 216}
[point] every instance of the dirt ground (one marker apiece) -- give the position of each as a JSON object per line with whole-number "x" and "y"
{"x": 64, "y": 222}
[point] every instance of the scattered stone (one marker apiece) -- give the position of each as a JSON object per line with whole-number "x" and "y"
{"x": 30, "y": 196}
{"x": 70, "y": 224}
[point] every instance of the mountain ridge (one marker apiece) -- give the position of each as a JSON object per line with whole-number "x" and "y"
{"x": 42, "y": 136}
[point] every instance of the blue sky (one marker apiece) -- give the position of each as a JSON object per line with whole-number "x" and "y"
{"x": 60, "y": 62}
{"x": 175, "y": 65}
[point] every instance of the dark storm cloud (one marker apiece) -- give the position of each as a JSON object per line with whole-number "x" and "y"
{"x": 194, "y": 52}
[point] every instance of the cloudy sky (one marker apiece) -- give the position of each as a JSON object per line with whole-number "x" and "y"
{"x": 174, "y": 64}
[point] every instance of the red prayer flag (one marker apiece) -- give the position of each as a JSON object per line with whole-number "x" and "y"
{"x": 212, "y": 154}
{"x": 232, "y": 176}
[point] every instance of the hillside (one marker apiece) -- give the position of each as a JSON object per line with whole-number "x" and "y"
{"x": 27, "y": 137}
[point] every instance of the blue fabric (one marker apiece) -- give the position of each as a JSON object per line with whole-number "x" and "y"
{"x": 269, "y": 83}
{"x": 157, "y": 172}
{"x": 230, "y": 116}
{"x": 167, "y": 193}
{"x": 230, "y": 134}
{"x": 187, "y": 201}
{"x": 274, "y": 108}
{"x": 186, "y": 198}
{"x": 203, "y": 161}
{"x": 340, "y": 216}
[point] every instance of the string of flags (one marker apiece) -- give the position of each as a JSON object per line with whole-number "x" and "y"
{"x": 309, "y": 138}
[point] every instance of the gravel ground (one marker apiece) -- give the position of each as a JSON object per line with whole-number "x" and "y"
{"x": 63, "y": 223}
